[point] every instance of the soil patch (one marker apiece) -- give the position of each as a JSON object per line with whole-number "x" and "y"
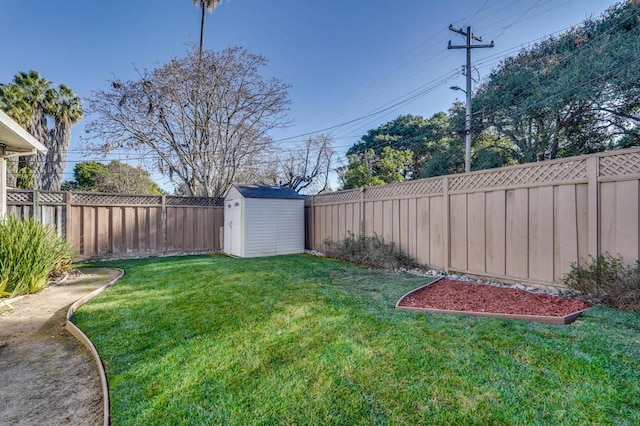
{"x": 47, "y": 377}
{"x": 460, "y": 296}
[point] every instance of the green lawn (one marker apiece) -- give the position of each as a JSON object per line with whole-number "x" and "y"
{"x": 304, "y": 340}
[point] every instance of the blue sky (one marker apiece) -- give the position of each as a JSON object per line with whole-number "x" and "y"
{"x": 343, "y": 59}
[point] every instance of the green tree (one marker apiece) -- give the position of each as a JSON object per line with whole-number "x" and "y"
{"x": 115, "y": 177}
{"x": 28, "y": 100}
{"x": 407, "y": 132}
{"x": 360, "y": 171}
{"x": 447, "y": 158}
{"x": 490, "y": 151}
{"x": 66, "y": 111}
{"x": 370, "y": 169}
{"x": 86, "y": 174}
{"x": 394, "y": 165}
{"x": 571, "y": 94}
{"x": 31, "y": 101}
{"x": 23, "y": 177}
{"x": 205, "y": 6}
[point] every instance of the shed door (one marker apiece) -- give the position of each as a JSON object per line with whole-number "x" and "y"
{"x": 234, "y": 225}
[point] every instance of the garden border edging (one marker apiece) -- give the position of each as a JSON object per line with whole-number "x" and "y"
{"x": 563, "y": 320}
{"x": 82, "y": 338}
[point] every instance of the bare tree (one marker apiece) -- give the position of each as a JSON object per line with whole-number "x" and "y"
{"x": 203, "y": 121}
{"x": 306, "y": 169}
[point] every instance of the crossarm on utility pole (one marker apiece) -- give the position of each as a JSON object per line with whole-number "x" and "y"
{"x": 469, "y": 45}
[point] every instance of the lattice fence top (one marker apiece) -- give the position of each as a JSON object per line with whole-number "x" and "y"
{"x": 405, "y": 189}
{"x": 52, "y": 197}
{"x": 19, "y": 197}
{"x": 620, "y": 165}
{"x": 351, "y": 195}
{"x": 540, "y": 173}
{"x": 194, "y": 201}
{"x": 117, "y": 199}
{"x": 22, "y": 196}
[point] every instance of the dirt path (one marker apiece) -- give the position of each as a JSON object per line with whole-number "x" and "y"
{"x": 46, "y": 376}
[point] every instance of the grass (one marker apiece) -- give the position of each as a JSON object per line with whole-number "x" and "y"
{"x": 303, "y": 340}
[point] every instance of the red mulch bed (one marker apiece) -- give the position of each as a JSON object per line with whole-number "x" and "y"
{"x": 463, "y": 296}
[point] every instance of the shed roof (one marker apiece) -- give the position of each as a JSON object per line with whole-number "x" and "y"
{"x": 17, "y": 139}
{"x": 259, "y": 191}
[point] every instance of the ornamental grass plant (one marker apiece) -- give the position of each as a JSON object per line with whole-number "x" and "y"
{"x": 370, "y": 251}
{"x": 30, "y": 253}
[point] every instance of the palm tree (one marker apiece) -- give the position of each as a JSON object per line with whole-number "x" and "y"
{"x": 12, "y": 101}
{"x": 67, "y": 112}
{"x": 32, "y": 101}
{"x": 205, "y": 6}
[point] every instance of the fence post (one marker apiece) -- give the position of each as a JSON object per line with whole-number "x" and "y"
{"x": 36, "y": 206}
{"x": 163, "y": 220}
{"x": 312, "y": 226}
{"x": 67, "y": 216}
{"x": 445, "y": 226}
{"x": 593, "y": 195}
{"x": 363, "y": 230}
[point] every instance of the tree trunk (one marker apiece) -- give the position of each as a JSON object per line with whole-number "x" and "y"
{"x": 202, "y": 19}
{"x": 12, "y": 170}
{"x": 56, "y": 157}
{"x": 38, "y": 128}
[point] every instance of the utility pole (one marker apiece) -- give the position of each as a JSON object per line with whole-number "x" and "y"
{"x": 467, "y": 128}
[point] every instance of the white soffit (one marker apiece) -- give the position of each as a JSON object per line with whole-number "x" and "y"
{"x": 18, "y": 139}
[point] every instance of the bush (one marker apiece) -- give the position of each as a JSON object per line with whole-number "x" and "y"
{"x": 609, "y": 279}
{"x": 373, "y": 252}
{"x": 30, "y": 253}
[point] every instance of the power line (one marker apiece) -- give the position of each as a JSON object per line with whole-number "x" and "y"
{"x": 375, "y": 88}
{"x": 399, "y": 101}
{"x": 365, "y": 117}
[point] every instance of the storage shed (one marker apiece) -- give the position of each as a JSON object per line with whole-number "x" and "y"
{"x": 263, "y": 221}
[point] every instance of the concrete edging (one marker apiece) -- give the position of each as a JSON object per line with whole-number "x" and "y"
{"x": 82, "y": 338}
{"x": 563, "y": 320}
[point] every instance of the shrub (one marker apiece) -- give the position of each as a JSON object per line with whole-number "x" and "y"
{"x": 30, "y": 253}
{"x": 373, "y": 252}
{"x": 609, "y": 279}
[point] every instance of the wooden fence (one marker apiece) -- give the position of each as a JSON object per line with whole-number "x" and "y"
{"x": 114, "y": 225}
{"x": 523, "y": 223}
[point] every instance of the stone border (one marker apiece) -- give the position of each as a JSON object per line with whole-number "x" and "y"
{"x": 82, "y": 338}
{"x": 564, "y": 320}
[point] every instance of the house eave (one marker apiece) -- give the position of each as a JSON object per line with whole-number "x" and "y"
{"x": 16, "y": 141}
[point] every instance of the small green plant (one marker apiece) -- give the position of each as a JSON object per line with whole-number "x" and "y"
{"x": 609, "y": 279}
{"x": 372, "y": 251}
{"x": 30, "y": 253}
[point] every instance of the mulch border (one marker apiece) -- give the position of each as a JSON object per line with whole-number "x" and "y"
{"x": 564, "y": 320}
